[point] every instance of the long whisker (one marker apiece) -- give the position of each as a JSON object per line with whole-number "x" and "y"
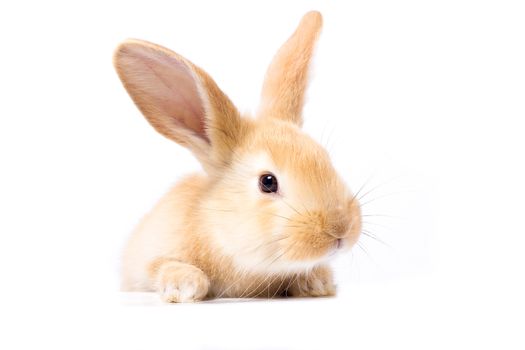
{"x": 361, "y": 245}
{"x": 382, "y": 196}
{"x": 270, "y": 242}
{"x": 381, "y": 215}
{"x": 292, "y": 281}
{"x": 270, "y": 264}
{"x": 368, "y": 234}
{"x": 292, "y": 226}
{"x": 224, "y": 291}
{"x": 246, "y": 291}
{"x": 278, "y": 288}
{"x": 246, "y": 272}
{"x": 272, "y": 278}
{"x": 378, "y": 186}
{"x": 279, "y": 216}
{"x": 244, "y": 276}
{"x": 291, "y": 207}
{"x": 365, "y": 223}
{"x": 355, "y": 196}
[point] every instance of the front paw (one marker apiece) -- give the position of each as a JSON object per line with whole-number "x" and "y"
{"x": 182, "y": 283}
{"x": 317, "y": 283}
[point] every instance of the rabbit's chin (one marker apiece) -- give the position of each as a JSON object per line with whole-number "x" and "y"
{"x": 281, "y": 266}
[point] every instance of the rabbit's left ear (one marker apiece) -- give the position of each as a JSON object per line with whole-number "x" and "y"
{"x": 180, "y": 101}
{"x": 287, "y": 76}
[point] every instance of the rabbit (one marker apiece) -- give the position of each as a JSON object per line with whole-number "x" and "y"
{"x": 268, "y": 212}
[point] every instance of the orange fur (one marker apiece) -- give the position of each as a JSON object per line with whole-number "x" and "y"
{"x": 287, "y": 77}
{"x": 216, "y": 234}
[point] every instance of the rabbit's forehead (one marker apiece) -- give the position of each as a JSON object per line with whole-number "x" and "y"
{"x": 292, "y": 151}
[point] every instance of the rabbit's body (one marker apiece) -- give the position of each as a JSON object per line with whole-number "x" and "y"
{"x": 163, "y": 233}
{"x": 270, "y": 210}
{"x": 187, "y": 225}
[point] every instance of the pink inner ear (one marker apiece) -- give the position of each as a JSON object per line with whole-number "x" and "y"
{"x": 169, "y": 87}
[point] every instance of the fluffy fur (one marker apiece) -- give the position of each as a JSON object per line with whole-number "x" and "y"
{"x": 216, "y": 234}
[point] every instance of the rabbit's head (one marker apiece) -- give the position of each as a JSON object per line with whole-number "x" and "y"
{"x": 274, "y": 200}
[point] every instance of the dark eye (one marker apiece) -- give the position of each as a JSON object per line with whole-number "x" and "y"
{"x": 268, "y": 183}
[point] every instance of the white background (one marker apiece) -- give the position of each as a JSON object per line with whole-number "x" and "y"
{"x": 422, "y": 101}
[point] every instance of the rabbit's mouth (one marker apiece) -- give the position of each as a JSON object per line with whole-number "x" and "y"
{"x": 345, "y": 243}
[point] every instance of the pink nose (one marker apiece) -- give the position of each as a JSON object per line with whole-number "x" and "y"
{"x": 339, "y": 243}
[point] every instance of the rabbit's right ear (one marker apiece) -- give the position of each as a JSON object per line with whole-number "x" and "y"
{"x": 180, "y": 101}
{"x": 287, "y": 76}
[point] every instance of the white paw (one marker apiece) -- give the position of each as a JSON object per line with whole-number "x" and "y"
{"x": 190, "y": 287}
